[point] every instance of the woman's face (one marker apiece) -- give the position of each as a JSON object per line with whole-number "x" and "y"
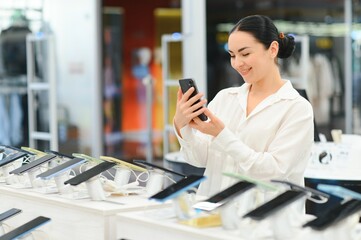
{"x": 250, "y": 58}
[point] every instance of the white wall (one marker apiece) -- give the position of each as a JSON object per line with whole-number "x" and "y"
{"x": 76, "y": 28}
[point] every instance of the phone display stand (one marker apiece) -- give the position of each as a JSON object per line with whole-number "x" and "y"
{"x": 345, "y": 230}
{"x": 231, "y": 211}
{"x": 183, "y": 206}
{"x": 59, "y": 182}
{"x": 229, "y": 216}
{"x": 2, "y": 231}
{"x": 287, "y": 221}
{"x": 95, "y": 189}
{"x": 155, "y": 182}
{"x": 34, "y": 181}
{"x": 122, "y": 176}
{"x": 9, "y": 179}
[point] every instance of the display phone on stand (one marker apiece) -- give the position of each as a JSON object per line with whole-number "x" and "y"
{"x": 11, "y": 158}
{"x": 59, "y": 169}
{"x": 123, "y": 163}
{"x": 92, "y": 172}
{"x": 224, "y": 196}
{"x": 59, "y": 154}
{"x": 335, "y": 214}
{"x": 25, "y": 229}
{"x": 178, "y": 188}
{"x": 154, "y": 166}
{"x": 9, "y": 213}
{"x": 31, "y": 165}
{"x": 315, "y": 195}
{"x": 275, "y": 204}
{"x": 186, "y": 84}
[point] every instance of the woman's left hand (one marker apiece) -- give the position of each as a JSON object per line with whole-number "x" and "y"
{"x": 213, "y": 126}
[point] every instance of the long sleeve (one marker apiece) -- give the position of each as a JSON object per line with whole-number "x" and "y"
{"x": 273, "y": 142}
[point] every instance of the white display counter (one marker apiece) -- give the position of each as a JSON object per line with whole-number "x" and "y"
{"x": 70, "y": 218}
{"x": 162, "y": 224}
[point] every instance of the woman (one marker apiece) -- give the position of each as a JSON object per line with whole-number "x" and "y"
{"x": 263, "y": 129}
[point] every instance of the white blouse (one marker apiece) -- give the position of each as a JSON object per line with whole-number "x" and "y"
{"x": 273, "y": 142}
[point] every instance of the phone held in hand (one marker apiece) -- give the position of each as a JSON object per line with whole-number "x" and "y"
{"x": 186, "y": 84}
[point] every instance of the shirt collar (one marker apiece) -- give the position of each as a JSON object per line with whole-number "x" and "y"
{"x": 285, "y": 92}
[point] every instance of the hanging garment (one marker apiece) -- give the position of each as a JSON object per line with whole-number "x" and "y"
{"x": 16, "y": 118}
{"x": 4, "y": 122}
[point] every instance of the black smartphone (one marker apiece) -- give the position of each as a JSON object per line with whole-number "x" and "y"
{"x": 177, "y": 188}
{"x": 224, "y": 196}
{"x": 62, "y": 155}
{"x": 334, "y": 215}
{"x": 31, "y": 165}
{"x": 19, "y": 150}
{"x": 25, "y": 229}
{"x": 11, "y": 158}
{"x": 9, "y": 213}
{"x": 186, "y": 84}
{"x": 275, "y": 204}
{"x": 57, "y": 170}
{"x": 314, "y": 193}
{"x": 154, "y": 166}
{"x": 92, "y": 172}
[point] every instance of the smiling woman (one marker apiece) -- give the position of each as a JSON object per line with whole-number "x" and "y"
{"x": 263, "y": 129}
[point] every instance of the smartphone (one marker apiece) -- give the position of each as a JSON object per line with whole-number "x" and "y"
{"x": 55, "y": 171}
{"x": 88, "y": 158}
{"x": 11, "y": 158}
{"x": 31, "y": 165}
{"x": 19, "y": 150}
{"x": 314, "y": 193}
{"x": 224, "y": 196}
{"x": 334, "y": 215}
{"x": 177, "y": 188}
{"x": 62, "y": 155}
{"x": 275, "y": 204}
{"x": 33, "y": 151}
{"x": 92, "y": 172}
{"x": 263, "y": 184}
{"x": 124, "y": 163}
{"x": 339, "y": 191}
{"x": 9, "y": 213}
{"x": 25, "y": 229}
{"x": 153, "y": 166}
{"x": 186, "y": 84}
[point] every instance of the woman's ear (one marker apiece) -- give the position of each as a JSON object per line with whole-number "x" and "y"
{"x": 273, "y": 48}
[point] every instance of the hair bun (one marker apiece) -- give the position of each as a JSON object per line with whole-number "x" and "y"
{"x": 287, "y": 45}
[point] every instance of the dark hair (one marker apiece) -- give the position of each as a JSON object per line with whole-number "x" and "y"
{"x": 264, "y": 30}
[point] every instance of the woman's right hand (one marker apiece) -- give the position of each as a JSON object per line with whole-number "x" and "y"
{"x": 185, "y": 112}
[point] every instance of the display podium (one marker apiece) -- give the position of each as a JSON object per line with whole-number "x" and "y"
{"x": 71, "y": 218}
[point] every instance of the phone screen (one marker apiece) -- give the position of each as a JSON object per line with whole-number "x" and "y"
{"x": 92, "y": 172}
{"x": 25, "y": 229}
{"x": 177, "y": 188}
{"x": 147, "y": 164}
{"x": 186, "y": 84}
{"x": 231, "y": 191}
{"x": 62, "y": 155}
{"x": 334, "y": 215}
{"x": 124, "y": 163}
{"x": 9, "y": 213}
{"x": 315, "y": 193}
{"x": 33, "y": 164}
{"x": 222, "y": 197}
{"x": 11, "y": 158}
{"x": 275, "y": 204}
{"x": 61, "y": 168}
